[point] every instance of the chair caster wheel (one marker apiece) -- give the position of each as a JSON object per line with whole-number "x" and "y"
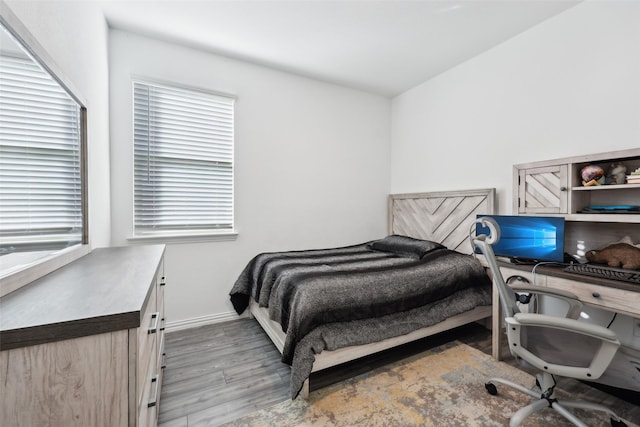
{"x": 620, "y": 423}
{"x": 492, "y": 390}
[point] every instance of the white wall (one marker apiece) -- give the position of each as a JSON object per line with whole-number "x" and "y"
{"x": 75, "y": 35}
{"x": 566, "y": 87}
{"x": 312, "y": 159}
{"x": 311, "y": 165}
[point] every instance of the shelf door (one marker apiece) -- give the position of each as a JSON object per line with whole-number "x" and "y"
{"x": 542, "y": 190}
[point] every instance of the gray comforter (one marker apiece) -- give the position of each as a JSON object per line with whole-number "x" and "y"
{"x": 332, "y": 298}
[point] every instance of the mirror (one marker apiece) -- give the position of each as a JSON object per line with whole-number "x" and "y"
{"x": 42, "y": 171}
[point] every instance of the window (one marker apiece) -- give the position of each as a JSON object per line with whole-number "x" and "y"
{"x": 42, "y": 202}
{"x": 183, "y": 161}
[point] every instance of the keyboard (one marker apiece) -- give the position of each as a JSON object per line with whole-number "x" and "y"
{"x": 605, "y": 272}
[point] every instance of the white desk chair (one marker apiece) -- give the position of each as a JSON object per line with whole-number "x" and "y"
{"x": 557, "y": 346}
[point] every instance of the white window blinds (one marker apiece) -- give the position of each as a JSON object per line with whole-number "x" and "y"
{"x": 40, "y": 160}
{"x": 183, "y": 160}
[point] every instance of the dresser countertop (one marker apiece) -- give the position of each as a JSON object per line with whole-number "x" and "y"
{"x": 103, "y": 291}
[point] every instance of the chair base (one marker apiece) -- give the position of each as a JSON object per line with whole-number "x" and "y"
{"x": 546, "y": 399}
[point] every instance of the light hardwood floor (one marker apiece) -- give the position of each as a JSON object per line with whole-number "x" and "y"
{"x": 219, "y": 372}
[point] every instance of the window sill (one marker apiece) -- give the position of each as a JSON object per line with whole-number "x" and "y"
{"x": 186, "y": 237}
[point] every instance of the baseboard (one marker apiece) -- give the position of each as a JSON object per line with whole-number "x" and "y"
{"x": 201, "y": 321}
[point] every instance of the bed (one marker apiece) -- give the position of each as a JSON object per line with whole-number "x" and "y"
{"x": 324, "y": 307}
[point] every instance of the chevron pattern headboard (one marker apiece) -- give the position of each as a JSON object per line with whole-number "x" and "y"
{"x": 443, "y": 217}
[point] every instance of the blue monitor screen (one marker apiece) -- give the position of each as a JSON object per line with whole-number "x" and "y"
{"x": 528, "y": 238}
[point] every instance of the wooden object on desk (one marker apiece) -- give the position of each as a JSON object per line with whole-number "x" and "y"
{"x": 83, "y": 345}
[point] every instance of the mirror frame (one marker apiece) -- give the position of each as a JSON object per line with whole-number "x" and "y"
{"x": 30, "y": 272}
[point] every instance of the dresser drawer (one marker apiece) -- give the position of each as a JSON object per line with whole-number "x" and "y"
{"x": 618, "y": 300}
{"x": 160, "y": 285}
{"x": 150, "y": 396}
{"x": 146, "y": 340}
{"x": 161, "y": 357}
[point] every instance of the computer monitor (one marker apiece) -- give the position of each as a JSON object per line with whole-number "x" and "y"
{"x": 528, "y": 239}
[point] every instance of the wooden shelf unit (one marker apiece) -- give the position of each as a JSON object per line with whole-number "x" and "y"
{"x": 554, "y": 187}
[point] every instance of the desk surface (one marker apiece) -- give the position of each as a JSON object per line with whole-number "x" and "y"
{"x": 558, "y": 271}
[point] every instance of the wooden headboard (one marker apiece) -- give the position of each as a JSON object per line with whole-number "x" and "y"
{"x": 443, "y": 216}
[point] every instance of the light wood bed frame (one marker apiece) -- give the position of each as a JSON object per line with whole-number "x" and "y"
{"x": 445, "y": 217}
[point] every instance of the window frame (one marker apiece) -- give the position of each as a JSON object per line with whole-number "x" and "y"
{"x": 17, "y": 277}
{"x": 182, "y": 235}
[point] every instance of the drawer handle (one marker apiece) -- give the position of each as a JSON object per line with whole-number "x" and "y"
{"x": 596, "y": 294}
{"x": 154, "y": 399}
{"x": 154, "y": 325}
{"x": 164, "y": 361}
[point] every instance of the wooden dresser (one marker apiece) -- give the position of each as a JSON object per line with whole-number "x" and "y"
{"x": 83, "y": 346}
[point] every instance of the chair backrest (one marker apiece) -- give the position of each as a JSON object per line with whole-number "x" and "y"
{"x": 484, "y": 242}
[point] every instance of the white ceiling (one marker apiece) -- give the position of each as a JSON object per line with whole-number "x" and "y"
{"x": 385, "y": 47}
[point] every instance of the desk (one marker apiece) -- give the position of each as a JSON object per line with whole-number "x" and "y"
{"x": 604, "y": 294}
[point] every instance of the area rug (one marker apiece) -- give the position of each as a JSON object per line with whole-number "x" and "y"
{"x": 440, "y": 387}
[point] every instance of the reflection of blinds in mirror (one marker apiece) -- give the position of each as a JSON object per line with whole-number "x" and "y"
{"x": 183, "y": 154}
{"x": 40, "y": 160}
